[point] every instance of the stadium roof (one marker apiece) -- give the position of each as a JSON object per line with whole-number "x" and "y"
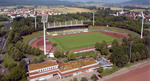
{"x": 75, "y": 64}
{"x": 41, "y": 65}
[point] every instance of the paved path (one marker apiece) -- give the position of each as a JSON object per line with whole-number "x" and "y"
{"x": 137, "y": 72}
{"x": 88, "y": 75}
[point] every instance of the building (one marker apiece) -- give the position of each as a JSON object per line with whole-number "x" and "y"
{"x": 52, "y": 68}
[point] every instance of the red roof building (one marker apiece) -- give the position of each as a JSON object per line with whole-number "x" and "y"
{"x": 48, "y": 69}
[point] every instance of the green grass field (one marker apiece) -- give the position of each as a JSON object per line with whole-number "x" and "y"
{"x": 78, "y": 41}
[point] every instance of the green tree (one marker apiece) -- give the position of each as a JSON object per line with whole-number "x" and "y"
{"x": 114, "y": 45}
{"x": 17, "y": 37}
{"x": 67, "y": 53}
{"x": 11, "y": 66}
{"x": 84, "y": 79}
{"x": 119, "y": 57}
{"x": 17, "y": 56}
{"x": 138, "y": 56}
{"x": 104, "y": 48}
{"x": 58, "y": 54}
{"x": 94, "y": 77}
{"x": 41, "y": 59}
{"x": 125, "y": 41}
{"x": 100, "y": 69}
{"x": 75, "y": 79}
{"x": 97, "y": 46}
{"x": 94, "y": 55}
{"x": 35, "y": 61}
{"x": 71, "y": 56}
{"x": 23, "y": 64}
{"x": 133, "y": 57}
{"x": 17, "y": 74}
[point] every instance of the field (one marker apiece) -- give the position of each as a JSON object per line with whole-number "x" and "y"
{"x": 78, "y": 41}
{"x": 61, "y": 9}
{"x": 31, "y": 36}
{"x": 71, "y": 10}
{"x": 115, "y": 29}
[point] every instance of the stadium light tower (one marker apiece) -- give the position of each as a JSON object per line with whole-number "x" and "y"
{"x": 35, "y": 14}
{"x": 130, "y": 51}
{"x": 93, "y": 18}
{"x": 44, "y": 20}
{"x": 142, "y": 25}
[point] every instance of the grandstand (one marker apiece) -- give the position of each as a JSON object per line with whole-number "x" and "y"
{"x": 67, "y": 29}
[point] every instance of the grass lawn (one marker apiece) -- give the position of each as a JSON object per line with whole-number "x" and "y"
{"x": 31, "y": 36}
{"x": 115, "y": 29}
{"x": 78, "y": 41}
{"x": 71, "y": 9}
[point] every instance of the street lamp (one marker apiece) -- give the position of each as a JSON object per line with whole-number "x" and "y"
{"x": 79, "y": 66}
{"x": 44, "y": 20}
{"x": 130, "y": 51}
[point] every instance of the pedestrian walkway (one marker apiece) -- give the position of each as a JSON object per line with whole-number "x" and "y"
{"x": 88, "y": 75}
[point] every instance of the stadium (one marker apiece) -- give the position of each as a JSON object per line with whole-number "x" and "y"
{"x": 75, "y": 38}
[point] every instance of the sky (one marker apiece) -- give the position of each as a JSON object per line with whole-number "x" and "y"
{"x": 104, "y": 1}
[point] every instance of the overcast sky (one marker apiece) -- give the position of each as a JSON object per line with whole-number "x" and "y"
{"x": 105, "y": 1}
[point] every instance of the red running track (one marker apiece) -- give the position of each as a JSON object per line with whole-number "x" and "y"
{"x": 39, "y": 42}
{"x": 139, "y": 74}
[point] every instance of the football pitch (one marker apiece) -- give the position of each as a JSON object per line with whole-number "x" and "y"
{"x": 78, "y": 41}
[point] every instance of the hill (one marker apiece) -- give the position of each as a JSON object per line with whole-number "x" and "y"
{"x": 35, "y": 2}
{"x": 138, "y": 2}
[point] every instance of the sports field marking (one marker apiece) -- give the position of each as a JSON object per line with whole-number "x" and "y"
{"x": 78, "y": 41}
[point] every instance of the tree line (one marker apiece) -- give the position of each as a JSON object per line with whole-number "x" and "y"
{"x": 16, "y": 49}
{"x": 102, "y": 18}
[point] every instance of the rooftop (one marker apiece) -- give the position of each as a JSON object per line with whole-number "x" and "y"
{"x": 75, "y": 64}
{"x": 41, "y": 65}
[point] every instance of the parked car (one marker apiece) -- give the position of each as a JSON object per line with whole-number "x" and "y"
{"x": 100, "y": 76}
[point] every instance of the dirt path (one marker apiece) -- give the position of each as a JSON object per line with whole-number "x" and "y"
{"x": 137, "y": 72}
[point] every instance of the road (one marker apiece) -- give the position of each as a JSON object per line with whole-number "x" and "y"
{"x": 139, "y": 74}
{"x": 3, "y": 39}
{"x": 136, "y": 72}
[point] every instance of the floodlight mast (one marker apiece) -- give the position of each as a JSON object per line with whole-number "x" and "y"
{"x": 142, "y": 25}
{"x": 93, "y": 18}
{"x": 35, "y": 14}
{"x": 130, "y": 51}
{"x": 44, "y": 20}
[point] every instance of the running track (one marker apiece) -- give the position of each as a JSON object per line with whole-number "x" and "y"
{"x": 39, "y": 43}
{"x": 139, "y": 74}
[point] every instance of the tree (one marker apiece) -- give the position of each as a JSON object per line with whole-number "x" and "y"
{"x": 94, "y": 55}
{"x": 119, "y": 57}
{"x": 138, "y": 56}
{"x": 17, "y": 37}
{"x": 114, "y": 45}
{"x": 100, "y": 69}
{"x": 71, "y": 56}
{"x": 11, "y": 66}
{"x": 35, "y": 61}
{"x": 67, "y": 53}
{"x": 23, "y": 64}
{"x": 133, "y": 57}
{"x": 97, "y": 46}
{"x": 75, "y": 79}
{"x": 41, "y": 59}
{"x": 104, "y": 48}
{"x": 84, "y": 79}
{"x": 58, "y": 54}
{"x": 125, "y": 41}
{"x": 17, "y": 55}
{"x": 94, "y": 77}
{"x": 17, "y": 74}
